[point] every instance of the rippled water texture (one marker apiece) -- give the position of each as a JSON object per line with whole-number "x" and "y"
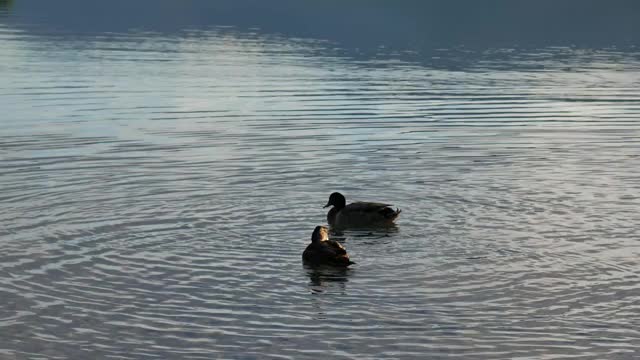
{"x": 159, "y": 184}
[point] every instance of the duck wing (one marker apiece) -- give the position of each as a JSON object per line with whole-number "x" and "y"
{"x": 339, "y": 256}
{"x": 366, "y": 206}
{"x": 372, "y": 211}
{"x": 335, "y": 247}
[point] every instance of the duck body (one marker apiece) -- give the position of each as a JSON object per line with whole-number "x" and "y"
{"x": 359, "y": 214}
{"x": 325, "y": 251}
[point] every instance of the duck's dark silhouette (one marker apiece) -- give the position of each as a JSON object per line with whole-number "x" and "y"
{"x": 359, "y": 214}
{"x": 325, "y": 251}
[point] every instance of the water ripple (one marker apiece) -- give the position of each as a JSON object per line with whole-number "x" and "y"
{"x": 158, "y": 192}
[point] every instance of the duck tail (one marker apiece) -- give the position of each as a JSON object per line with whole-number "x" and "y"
{"x": 394, "y": 214}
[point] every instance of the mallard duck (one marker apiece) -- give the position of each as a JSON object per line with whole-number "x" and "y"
{"x": 359, "y": 214}
{"x": 325, "y": 251}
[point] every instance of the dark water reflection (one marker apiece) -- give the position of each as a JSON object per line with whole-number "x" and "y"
{"x": 322, "y": 276}
{"x": 162, "y": 167}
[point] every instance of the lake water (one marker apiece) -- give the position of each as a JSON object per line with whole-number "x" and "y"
{"x": 163, "y": 165}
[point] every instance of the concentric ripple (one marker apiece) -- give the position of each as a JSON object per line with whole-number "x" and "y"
{"x": 158, "y": 190}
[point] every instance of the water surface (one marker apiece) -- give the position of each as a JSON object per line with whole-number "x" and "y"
{"x": 162, "y": 174}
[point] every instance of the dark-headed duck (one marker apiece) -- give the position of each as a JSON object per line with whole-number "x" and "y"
{"x": 359, "y": 214}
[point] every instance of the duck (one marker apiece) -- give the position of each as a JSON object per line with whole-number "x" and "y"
{"x": 325, "y": 251}
{"x": 359, "y": 214}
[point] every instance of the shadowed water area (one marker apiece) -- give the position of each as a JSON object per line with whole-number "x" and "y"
{"x": 163, "y": 164}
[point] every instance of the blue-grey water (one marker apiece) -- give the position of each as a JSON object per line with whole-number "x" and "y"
{"x": 163, "y": 164}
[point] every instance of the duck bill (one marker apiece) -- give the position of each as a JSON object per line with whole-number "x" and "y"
{"x": 326, "y": 206}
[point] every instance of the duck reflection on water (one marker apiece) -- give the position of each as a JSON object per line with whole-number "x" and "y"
{"x": 325, "y": 277}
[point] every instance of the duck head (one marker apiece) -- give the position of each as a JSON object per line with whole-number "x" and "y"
{"x": 320, "y": 233}
{"x": 336, "y": 199}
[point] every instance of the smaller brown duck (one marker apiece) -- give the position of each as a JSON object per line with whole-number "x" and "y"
{"x": 325, "y": 251}
{"x": 359, "y": 214}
